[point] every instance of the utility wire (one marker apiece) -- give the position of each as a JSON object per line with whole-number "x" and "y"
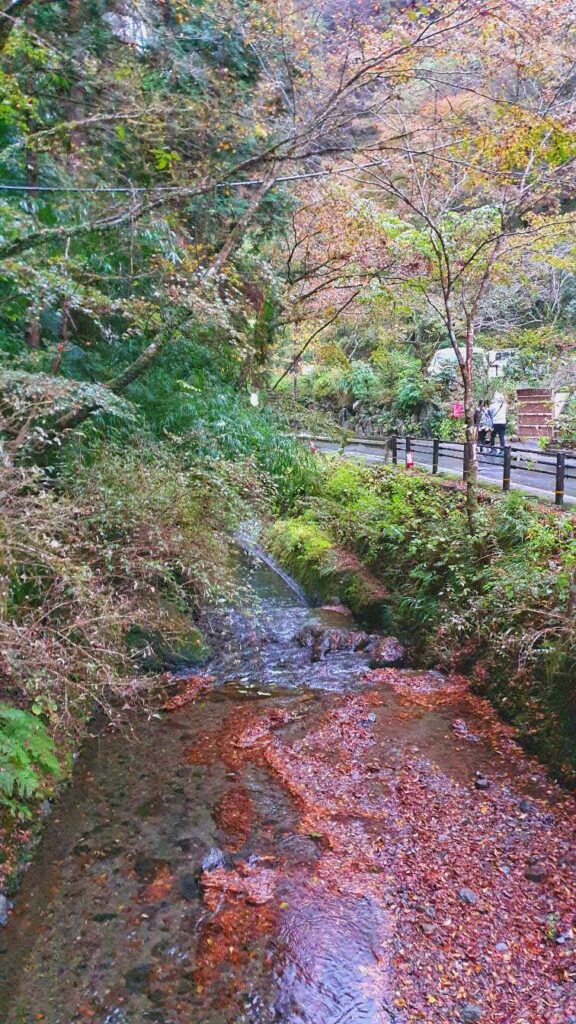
{"x": 248, "y": 183}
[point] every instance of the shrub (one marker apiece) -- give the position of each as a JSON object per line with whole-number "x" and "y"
{"x": 134, "y": 539}
{"x": 28, "y": 761}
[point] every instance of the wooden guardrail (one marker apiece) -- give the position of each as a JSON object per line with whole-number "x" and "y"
{"x": 555, "y": 467}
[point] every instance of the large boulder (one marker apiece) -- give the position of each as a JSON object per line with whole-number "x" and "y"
{"x": 387, "y": 652}
{"x": 322, "y": 640}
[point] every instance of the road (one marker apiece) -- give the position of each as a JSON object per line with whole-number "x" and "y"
{"x": 533, "y": 472}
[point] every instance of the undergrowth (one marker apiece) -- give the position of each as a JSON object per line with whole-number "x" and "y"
{"x": 125, "y": 542}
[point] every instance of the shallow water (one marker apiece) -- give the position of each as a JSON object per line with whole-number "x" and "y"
{"x": 290, "y": 847}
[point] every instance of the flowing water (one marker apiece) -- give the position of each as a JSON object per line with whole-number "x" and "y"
{"x": 302, "y": 843}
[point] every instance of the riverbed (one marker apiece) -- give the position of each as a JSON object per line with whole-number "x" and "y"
{"x": 300, "y": 841}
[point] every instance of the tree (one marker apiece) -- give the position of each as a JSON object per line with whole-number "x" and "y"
{"x": 191, "y": 135}
{"x": 474, "y": 177}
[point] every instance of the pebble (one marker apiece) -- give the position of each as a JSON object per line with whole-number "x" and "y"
{"x": 468, "y": 896}
{"x": 470, "y": 1012}
{"x": 481, "y": 782}
{"x": 215, "y": 858}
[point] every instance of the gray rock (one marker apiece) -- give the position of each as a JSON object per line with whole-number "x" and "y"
{"x": 468, "y": 896}
{"x": 387, "y": 652}
{"x": 215, "y": 858}
{"x": 501, "y": 947}
{"x": 5, "y": 907}
{"x": 470, "y": 1013}
{"x": 308, "y": 634}
{"x": 481, "y": 783}
{"x": 320, "y": 647}
{"x": 525, "y": 806}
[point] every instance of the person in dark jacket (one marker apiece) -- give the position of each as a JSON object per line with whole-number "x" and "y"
{"x": 483, "y": 424}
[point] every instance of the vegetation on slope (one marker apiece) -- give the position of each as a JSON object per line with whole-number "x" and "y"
{"x": 499, "y": 606}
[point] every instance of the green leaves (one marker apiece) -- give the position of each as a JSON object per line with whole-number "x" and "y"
{"x": 165, "y": 158}
{"x": 28, "y": 763}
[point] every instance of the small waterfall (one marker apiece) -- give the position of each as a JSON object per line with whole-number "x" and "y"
{"x": 245, "y": 538}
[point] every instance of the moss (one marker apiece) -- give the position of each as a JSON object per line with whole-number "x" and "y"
{"x": 345, "y": 481}
{"x": 309, "y": 554}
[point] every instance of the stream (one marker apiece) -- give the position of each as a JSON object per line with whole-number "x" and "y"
{"x": 300, "y": 841}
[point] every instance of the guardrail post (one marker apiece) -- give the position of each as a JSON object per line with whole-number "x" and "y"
{"x": 408, "y": 445}
{"x": 507, "y": 468}
{"x": 435, "y": 454}
{"x": 465, "y": 460}
{"x": 560, "y": 476}
{"x": 394, "y": 447}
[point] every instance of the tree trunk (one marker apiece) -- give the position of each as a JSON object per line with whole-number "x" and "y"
{"x": 32, "y": 332}
{"x": 140, "y": 365}
{"x": 77, "y": 137}
{"x": 471, "y": 435}
{"x": 295, "y": 378}
{"x": 466, "y": 366}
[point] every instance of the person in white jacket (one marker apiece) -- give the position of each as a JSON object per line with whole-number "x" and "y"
{"x": 499, "y": 412}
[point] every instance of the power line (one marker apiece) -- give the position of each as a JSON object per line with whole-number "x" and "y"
{"x": 175, "y": 189}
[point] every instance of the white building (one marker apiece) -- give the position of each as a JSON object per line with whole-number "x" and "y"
{"x": 494, "y": 360}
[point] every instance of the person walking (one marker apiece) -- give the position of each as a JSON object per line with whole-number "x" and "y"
{"x": 483, "y": 424}
{"x": 499, "y": 413}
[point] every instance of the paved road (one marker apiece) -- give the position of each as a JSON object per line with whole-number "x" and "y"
{"x": 532, "y": 471}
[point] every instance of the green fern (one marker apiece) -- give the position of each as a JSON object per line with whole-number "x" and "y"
{"x": 27, "y": 759}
